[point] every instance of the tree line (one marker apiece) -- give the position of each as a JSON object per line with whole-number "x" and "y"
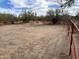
{"x": 53, "y": 17}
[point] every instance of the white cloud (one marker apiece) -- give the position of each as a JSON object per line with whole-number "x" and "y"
{"x": 76, "y": 2}
{"x": 18, "y": 3}
{"x": 74, "y": 10}
{"x": 10, "y": 11}
{"x": 39, "y": 6}
{"x": 24, "y": 3}
{"x": 57, "y": 1}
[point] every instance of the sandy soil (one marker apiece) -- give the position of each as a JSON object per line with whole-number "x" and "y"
{"x": 33, "y": 42}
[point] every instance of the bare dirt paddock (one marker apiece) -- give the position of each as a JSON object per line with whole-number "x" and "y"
{"x": 33, "y": 42}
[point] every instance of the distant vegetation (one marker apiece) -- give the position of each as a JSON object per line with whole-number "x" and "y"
{"x": 52, "y": 17}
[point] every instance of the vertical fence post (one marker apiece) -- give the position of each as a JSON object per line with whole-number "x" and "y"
{"x": 70, "y": 37}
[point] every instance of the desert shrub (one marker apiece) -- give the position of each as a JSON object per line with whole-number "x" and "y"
{"x": 77, "y": 17}
{"x": 7, "y": 18}
{"x": 27, "y": 16}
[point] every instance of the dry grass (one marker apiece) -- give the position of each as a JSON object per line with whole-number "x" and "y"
{"x": 33, "y": 42}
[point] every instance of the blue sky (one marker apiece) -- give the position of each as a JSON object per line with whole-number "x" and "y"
{"x": 39, "y": 6}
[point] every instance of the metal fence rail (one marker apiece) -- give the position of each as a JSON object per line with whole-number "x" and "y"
{"x": 72, "y": 25}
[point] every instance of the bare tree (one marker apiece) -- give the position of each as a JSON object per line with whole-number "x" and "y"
{"x": 68, "y": 3}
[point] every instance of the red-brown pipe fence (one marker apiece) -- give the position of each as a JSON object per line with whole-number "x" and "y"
{"x": 72, "y": 26}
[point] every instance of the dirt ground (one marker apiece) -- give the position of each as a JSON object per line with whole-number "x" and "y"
{"x": 33, "y": 42}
